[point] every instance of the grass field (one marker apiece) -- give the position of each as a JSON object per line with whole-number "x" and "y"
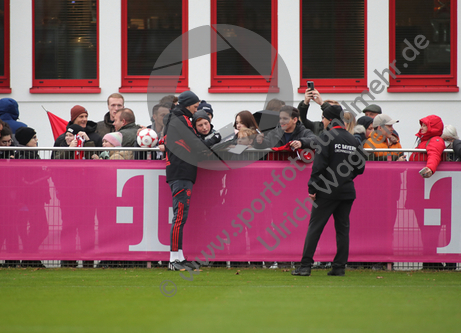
{"x": 222, "y": 300}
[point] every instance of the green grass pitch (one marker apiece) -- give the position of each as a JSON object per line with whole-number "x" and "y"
{"x": 222, "y": 300}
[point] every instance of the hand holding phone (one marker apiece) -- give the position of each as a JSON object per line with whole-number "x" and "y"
{"x": 310, "y": 85}
{"x": 425, "y": 172}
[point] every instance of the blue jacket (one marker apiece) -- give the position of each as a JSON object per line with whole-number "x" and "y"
{"x": 9, "y": 113}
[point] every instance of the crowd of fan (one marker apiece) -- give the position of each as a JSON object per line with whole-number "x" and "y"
{"x": 284, "y": 127}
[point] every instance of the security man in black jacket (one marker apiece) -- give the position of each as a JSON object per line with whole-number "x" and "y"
{"x": 338, "y": 160}
{"x": 183, "y": 149}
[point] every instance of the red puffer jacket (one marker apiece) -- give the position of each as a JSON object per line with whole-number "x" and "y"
{"x": 431, "y": 141}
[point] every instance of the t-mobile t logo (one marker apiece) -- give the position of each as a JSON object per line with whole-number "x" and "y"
{"x": 433, "y": 216}
{"x": 150, "y": 240}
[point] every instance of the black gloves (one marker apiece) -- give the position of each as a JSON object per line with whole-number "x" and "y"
{"x": 214, "y": 139}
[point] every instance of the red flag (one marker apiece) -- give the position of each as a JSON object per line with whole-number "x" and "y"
{"x": 58, "y": 125}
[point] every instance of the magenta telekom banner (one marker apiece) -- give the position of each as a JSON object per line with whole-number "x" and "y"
{"x": 121, "y": 210}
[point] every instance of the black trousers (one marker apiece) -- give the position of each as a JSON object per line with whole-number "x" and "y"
{"x": 181, "y": 190}
{"x": 340, "y": 209}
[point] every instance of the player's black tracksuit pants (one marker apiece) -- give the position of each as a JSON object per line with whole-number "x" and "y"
{"x": 181, "y": 190}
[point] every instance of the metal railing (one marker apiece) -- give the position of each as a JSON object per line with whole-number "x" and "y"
{"x": 250, "y": 154}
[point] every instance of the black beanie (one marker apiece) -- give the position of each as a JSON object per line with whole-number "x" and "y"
{"x": 187, "y": 98}
{"x": 74, "y": 129}
{"x": 333, "y": 112}
{"x": 24, "y": 135}
{"x": 365, "y": 121}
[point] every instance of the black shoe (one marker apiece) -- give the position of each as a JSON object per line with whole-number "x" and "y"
{"x": 190, "y": 264}
{"x": 302, "y": 271}
{"x": 336, "y": 271}
{"x": 176, "y": 266}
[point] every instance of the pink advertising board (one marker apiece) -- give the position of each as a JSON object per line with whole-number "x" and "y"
{"x": 120, "y": 210}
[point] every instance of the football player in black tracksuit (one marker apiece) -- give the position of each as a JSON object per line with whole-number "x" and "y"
{"x": 338, "y": 160}
{"x": 183, "y": 148}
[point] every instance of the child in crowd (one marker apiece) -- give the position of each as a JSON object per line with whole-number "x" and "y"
{"x": 111, "y": 140}
{"x": 246, "y": 136}
{"x": 202, "y": 125}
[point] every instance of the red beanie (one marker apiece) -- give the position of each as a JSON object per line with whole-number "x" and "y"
{"x": 76, "y": 111}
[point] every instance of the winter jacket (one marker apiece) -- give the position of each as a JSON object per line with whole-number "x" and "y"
{"x": 70, "y": 154}
{"x": 381, "y": 142}
{"x": 9, "y": 113}
{"x": 26, "y": 154}
{"x": 182, "y": 145}
{"x": 4, "y": 154}
{"x": 129, "y": 132}
{"x": 116, "y": 155}
{"x": 276, "y": 137}
{"x": 315, "y": 126}
{"x": 338, "y": 160}
{"x": 90, "y": 130}
{"x": 431, "y": 141}
{"x": 105, "y": 126}
{"x": 360, "y": 133}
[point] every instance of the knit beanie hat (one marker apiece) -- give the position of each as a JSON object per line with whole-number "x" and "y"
{"x": 188, "y": 98}
{"x": 74, "y": 129}
{"x": 333, "y": 112}
{"x": 76, "y": 111}
{"x": 114, "y": 138}
{"x": 24, "y": 135}
{"x": 206, "y": 107}
{"x": 365, "y": 121}
{"x": 200, "y": 115}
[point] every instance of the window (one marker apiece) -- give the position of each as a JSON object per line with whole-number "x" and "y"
{"x": 423, "y": 46}
{"x": 148, "y": 30}
{"x": 5, "y": 47}
{"x": 65, "y": 46}
{"x": 242, "y": 61}
{"x": 333, "y": 45}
